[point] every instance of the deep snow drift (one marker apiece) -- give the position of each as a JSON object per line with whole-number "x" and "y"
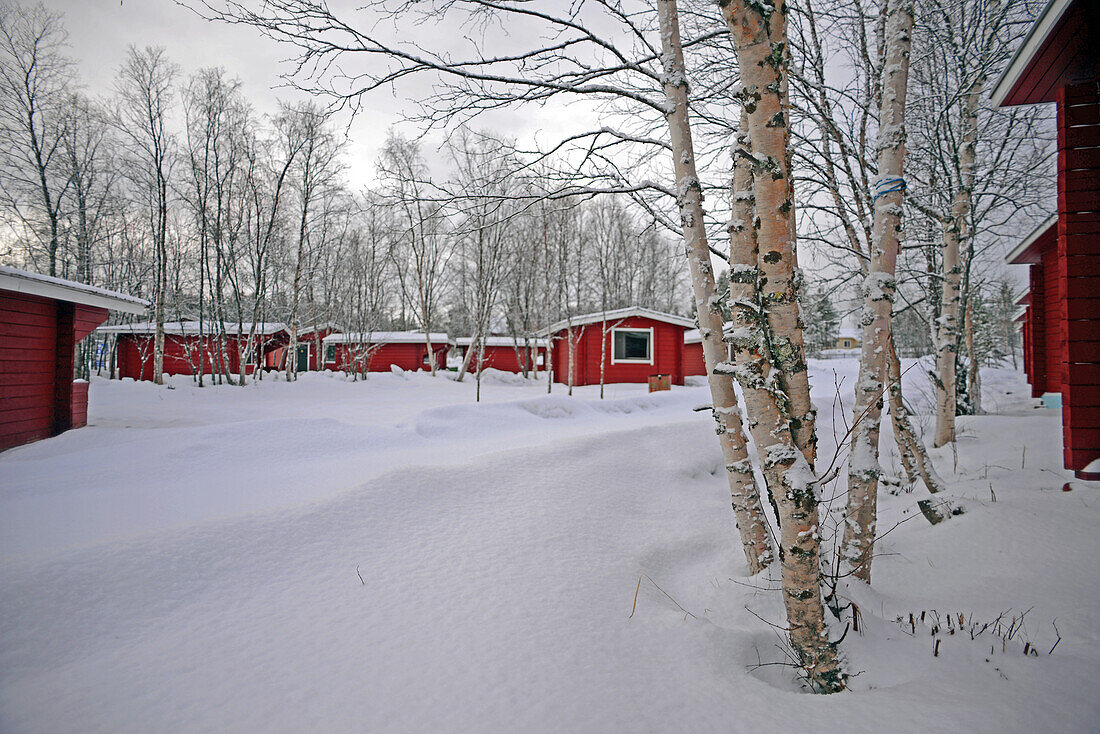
{"x": 389, "y": 556}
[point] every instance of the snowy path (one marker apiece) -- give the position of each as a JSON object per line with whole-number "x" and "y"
{"x": 500, "y": 548}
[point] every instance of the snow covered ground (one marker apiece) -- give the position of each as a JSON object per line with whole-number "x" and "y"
{"x": 389, "y": 556}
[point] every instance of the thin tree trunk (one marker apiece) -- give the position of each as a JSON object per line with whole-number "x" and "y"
{"x": 955, "y": 231}
{"x": 748, "y": 511}
{"x": 973, "y": 373}
{"x": 879, "y": 287}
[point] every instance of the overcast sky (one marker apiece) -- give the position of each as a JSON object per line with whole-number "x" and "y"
{"x": 101, "y": 30}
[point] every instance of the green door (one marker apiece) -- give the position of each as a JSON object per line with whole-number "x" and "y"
{"x": 303, "y": 358}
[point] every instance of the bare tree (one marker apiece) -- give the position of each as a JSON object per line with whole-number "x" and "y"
{"x": 424, "y": 250}
{"x": 36, "y": 82}
{"x": 144, "y": 90}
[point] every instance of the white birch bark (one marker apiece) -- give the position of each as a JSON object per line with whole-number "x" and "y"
{"x": 759, "y": 33}
{"x": 783, "y": 421}
{"x": 878, "y": 295}
{"x": 955, "y": 232}
{"x": 748, "y": 511}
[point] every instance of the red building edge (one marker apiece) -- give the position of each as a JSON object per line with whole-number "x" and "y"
{"x": 381, "y": 351}
{"x": 186, "y": 353}
{"x": 595, "y": 340}
{"x": 1059, "y": 62}
{"x": 505, "y": 353}
{"x": 41, "y": 321}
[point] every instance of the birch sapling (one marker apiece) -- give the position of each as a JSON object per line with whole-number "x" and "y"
{"x": 747, "y": 509}
{"x": 878, "y": 294}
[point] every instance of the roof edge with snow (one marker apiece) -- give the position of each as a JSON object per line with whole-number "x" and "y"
{"x": 1030, "y": 240}
{"x": 189, "y": 328}
{"x": 385, "y": 337}
{"x": 1026, "y": 53}
{"x": 501, "y": 341}
{"x": 45, "y": 286}
{"x": 622, "y": 313}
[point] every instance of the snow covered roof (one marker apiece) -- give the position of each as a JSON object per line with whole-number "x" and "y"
{"x": 192, "y": 327}
{"x": 623, "y": 313}
{"x": 849, "y": 332}
{"x": 500, "y": 341}
{"x": 34, "y": 284}
{"x": 319, "y": 327}
{"x": 694, "y": 336}
{"x": 1016, "y": 257}
{"x": 385, "y": 337}
{"x": 1026, "y": 54}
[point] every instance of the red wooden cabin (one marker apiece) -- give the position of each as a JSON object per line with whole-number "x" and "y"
{"x": 502, "y": 353}
{"x": 380, "y": 350}
{"x": 184, "y": 349}
{"x": 41, "y": 321}
{"x": 640, "y": 342}
{"x": 693, "y": 353}
{"x": 1059, "y": 62}
{"x": 310, "y": 350}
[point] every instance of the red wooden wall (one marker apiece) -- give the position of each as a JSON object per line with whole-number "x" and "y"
{"x": 407, "y": 356}
{"x": 1078, "y": 269}
{"x": 693, "y": 359}
{"x": 38, "y": 398}
{"x": 181, "y": 355}
{"x": 668, "y": 351}
{"x": 505, "y": 359}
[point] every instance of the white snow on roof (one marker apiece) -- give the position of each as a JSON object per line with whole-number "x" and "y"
{"x": 384, "y": 337}
{"x": 501, "y": 341}
{"x": 35, "y": 284}
{"x": 192, "y": 327}
{"x": 623, "y": 313}
{"x": 1027, "y": 50}
{"x": 1028, "y": 241}
{"x": 849, "y": 332}
{"x": 693, "y": 336}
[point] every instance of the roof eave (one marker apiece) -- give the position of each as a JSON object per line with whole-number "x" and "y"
{"x": 1019, "y": 250}
{"x": 1025, "y": 54}
{"x": 33, "y": 284}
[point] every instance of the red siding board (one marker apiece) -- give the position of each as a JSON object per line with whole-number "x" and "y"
{"x": 409, "y": 357}
{"x": 503, "y": 358}
{"x": 667, "y": 353}
{"x": 36, "y": 366}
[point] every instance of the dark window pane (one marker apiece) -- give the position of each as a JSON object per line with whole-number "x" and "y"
{"x": 631, "y": 345}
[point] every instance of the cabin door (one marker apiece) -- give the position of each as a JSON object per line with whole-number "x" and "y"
{"x": 302, "y": 358}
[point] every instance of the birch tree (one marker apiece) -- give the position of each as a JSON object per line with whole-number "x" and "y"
{"x": 424, "y": 249}
{"x": 768, "y": 335}
{"x": 36, "y": 81}
{"x": 878, "y": 293}
{"x": 144, "y": 89}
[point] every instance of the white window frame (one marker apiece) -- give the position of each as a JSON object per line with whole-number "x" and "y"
{"x": 326, "y": 348}
{"x": 652, "y": 345}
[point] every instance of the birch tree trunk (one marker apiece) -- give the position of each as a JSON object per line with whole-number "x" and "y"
{"x": 878, "y": 295}
{"x": 746, "y": 496}
{"x": 973, "y": 373}
{"x": 768, "y": 340}
{"x": 760, "y": 37}
{"x": 914, "y": 458}
{"x": 955, "y": 232}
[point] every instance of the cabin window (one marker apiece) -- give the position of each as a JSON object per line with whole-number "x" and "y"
{"x": 330, "y": 353}
{"x": 632, "y": 345}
